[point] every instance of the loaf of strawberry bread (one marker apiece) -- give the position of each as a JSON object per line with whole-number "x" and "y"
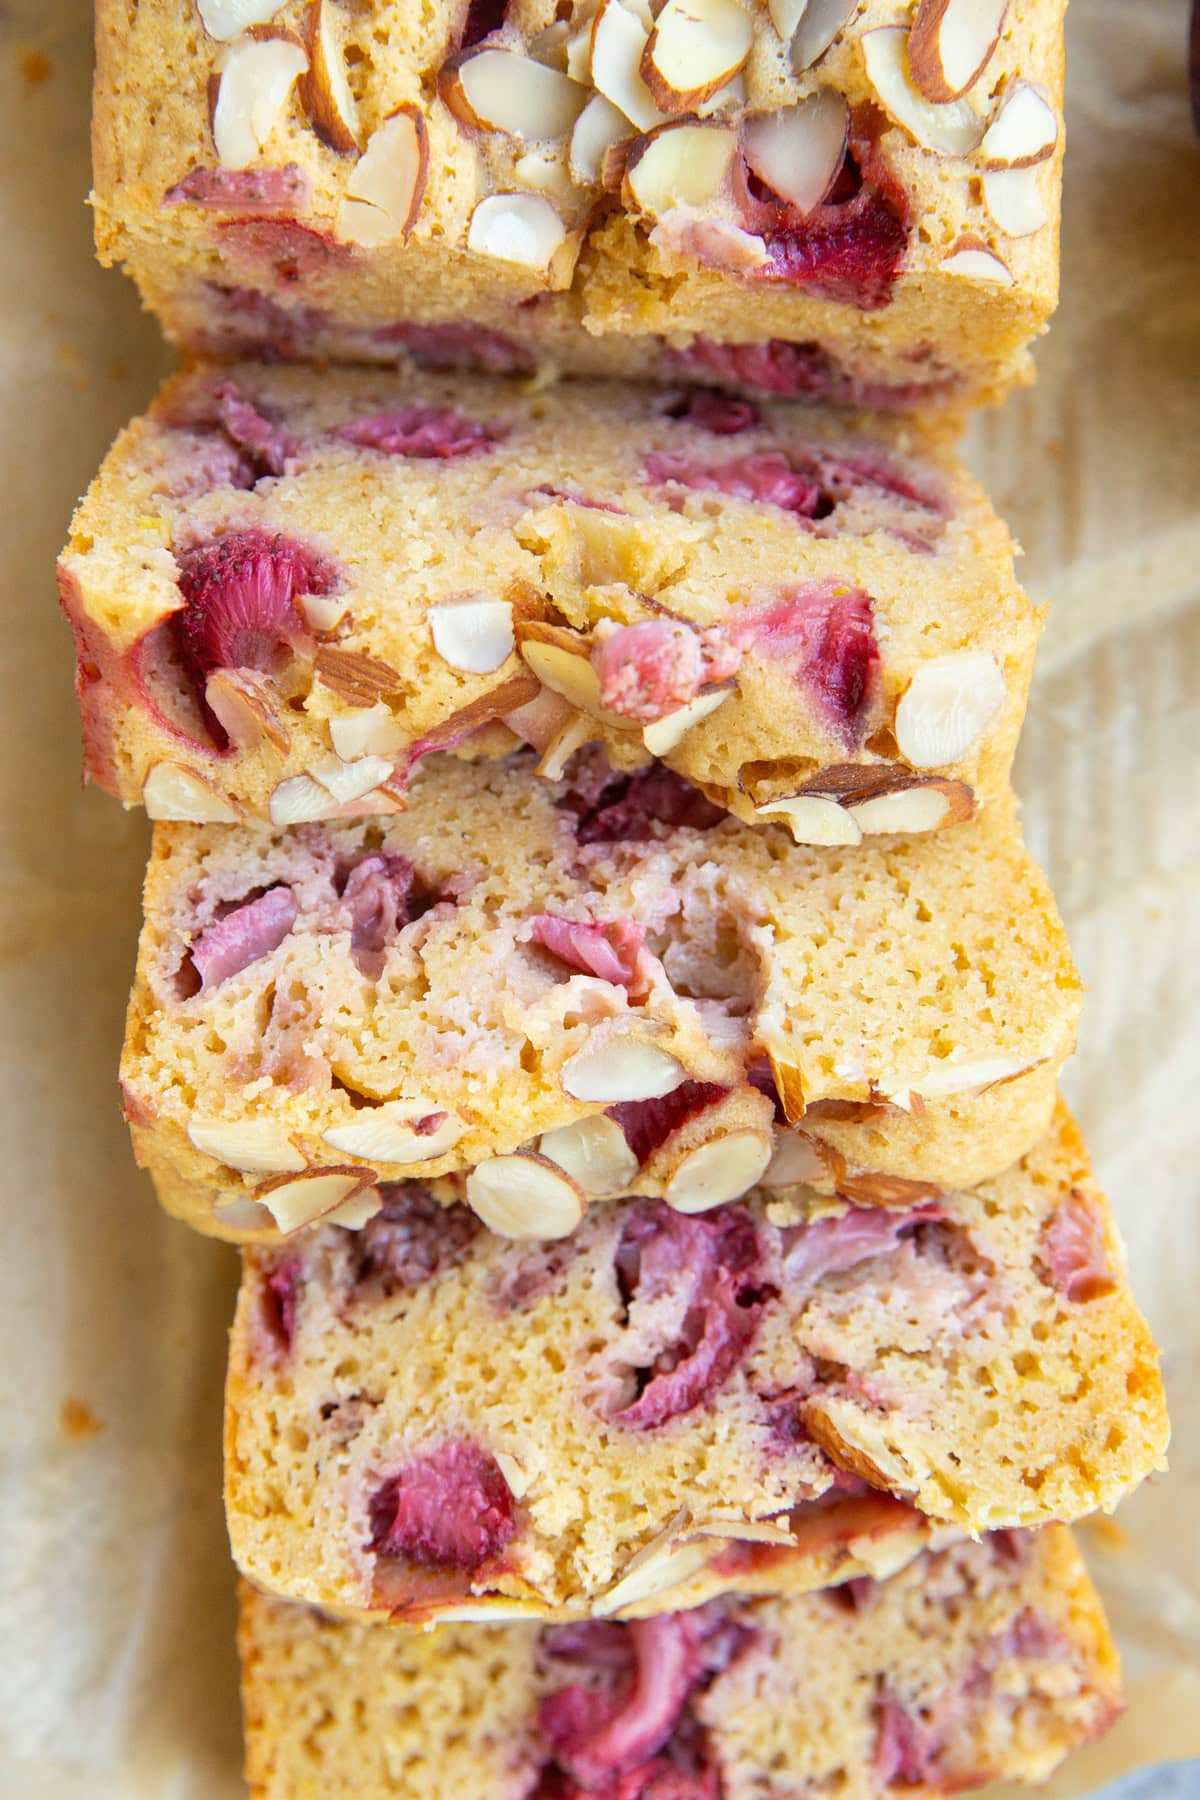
{"x": 511, "y": 965}
{"x": 853, "y": 201}
{"x": 287, "y": 587}
{"x": 979, "y": 1661}
{"x": 422, "y": 1415}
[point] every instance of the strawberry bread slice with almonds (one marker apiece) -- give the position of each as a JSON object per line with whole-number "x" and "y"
{"x": 287, "y": 587}
{"x": 976, "y": 1662}
{"x": 424, "y": 1416}
{"x": 856, "y": 200}
{"x": 605, "y": 975}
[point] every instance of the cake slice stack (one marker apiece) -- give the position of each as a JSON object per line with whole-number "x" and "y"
{"x": 590, "y": 963}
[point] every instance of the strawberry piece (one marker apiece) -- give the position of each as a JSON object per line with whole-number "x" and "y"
{"x": 239, "y": 595}
{"x": 378, "y": 895}
{"x": 799, "y": 371}
{"x": 1075, "y": 1252}
{"x": 449, "y": 1508}
{"x": 293, "y": 251}
{"x": 482, "y": 18}
{"x": 768, "y": 477}
{"x": 829, "y": 635}
{"x": 458, "y": 347}
{"x": 725, "y": 415}
{"x": 627, "y": 808}
{"x": 242, "y": 190}
{"x": 411, "y": 1240}
{"x": 422, "y": 431}
{"x": 278, "y": 1300}
{"x": 244, "y": 935}
{"x": 649, "y": 1123}
{"x": 612, "y": 952}
{"x": 595, "y": 1738}
{"x": 648, "y": 670}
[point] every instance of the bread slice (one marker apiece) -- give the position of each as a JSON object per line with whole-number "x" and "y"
{"x": 423, "y": 1416}
{"x": 323, "y": 1007}
{"x": 980, "y": 1661}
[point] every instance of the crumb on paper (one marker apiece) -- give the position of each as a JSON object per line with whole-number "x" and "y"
{"x": 78, "y": 1421}
{"x": 36, "y": 68}
{"x": 1105, "y": 1535}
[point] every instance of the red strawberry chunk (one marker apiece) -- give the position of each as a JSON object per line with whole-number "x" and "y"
{"x": 828, "y": 633}
{"x": 649, "y": 1123}
{"x": 458, "y": 347}
{"x": 648, "y": 670}
{"x": 292, "y": 250}
{"x": 832, "y": 1245}
{"x": 279, "y": 1299}
{"x": 799, "y": 371}
{"x": 613, "y": 952}
{"x": 482, "y": 18}
{"x": 243, "y": 936}
{"x": 627, "y": 808}
{"x": 412, "y": 1239}
{"x": 239, "y": 594}
{"x": 848, "y": 253}
{"x": 242, "y": 190}
{"x": 594, "y": 1738}
{"x": 768, "y": 477}
{"x": 428, "y": 432}
{"x": 725, "y": 415}
{"x": 902, "y": 1754}
{"x": 449, "y": 1508}
{"x": 1075, "y": 1251}
{"x": 265, "y": 444}
{"x": 378, "y": 895}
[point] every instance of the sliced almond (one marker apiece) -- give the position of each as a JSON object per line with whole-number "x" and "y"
{"x": 246, "y": 703}
{"x": 294, "y": 1201}
{"x": 891, "y": 1192}
{"x": 967, "y": 1075}
{"x": 227, "y": 19}
{"x": 594, "y": 1152}
{"x": 300, "y": 799}
{"x": 947, "y": 706}
{"x": 666, "y": 733}
{"x": 1023, "y": 132}
{"x": 525, "y": 1196}
{"x": 1014, "y": 199}
{"x": 795, "y": 1161}
{"x": 722, "y": 1170}
{"x": 789, "y": 1086}
{"x": 241, "y": 1216}
{"x": 356, "y": 678}
{"x": 812, "y": 819}
{"x": 564, "y": 669}
{"x": 799, "y": 150}
{"x": 517, "y": 228}
{"x": 545, "y": 172}
{"x": 390, "y": 1134}
{"x": 918, "y": 806}
{"x": 951, "y": 43}
{"x": 502, "y": 90}
{"x": 682, "y": 165}
{"x": 659, "y": 1565}
{"x": 353, "y": 1214}
{"x": 173, "y": 792}
{"x": 598, "y": 129}
{"x": 255, "y": 1146}
{"x": 695, "y": 48}
{"x": 620, "y": 1068}
{"x": 974, "y": 260}
{"x": 579, "y": 55}
{"x": 256, "y": 79}
{"x": 325, "y": 91}
{"x": 619, "y": 42}
{"x": 578, "y": 731}
{"x": 387, "y": 184}
{"x": 819, "y": 24}
{"x": 347, "y": 781}
{"x": 475, "y": 636}
{"x": 953, "y": 129}
{"x": 323, "y": 612}
{"x": 786, "y": 15}
{"x": 372, "y": 732}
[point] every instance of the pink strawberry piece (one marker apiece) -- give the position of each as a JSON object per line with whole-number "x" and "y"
{"x": 245, "y": 935}
{"x": 293, "y": 251}
{"x": 612, "y": 952}
{"x": 412, "y": 1239}
{"x": 760, "y": 1075}
{"x": 1075, "y": 1252}
{"x": 798, "y": 371}
{"x": 651, "y": 669}
{"x": 649, "y": 1123}
{"x": 377, "y": 894}
{"x": 449, "y": 1508}
{"x": 723, "y": 414}
{"x": 708, "y": 1268}
{"x": 266, "y": 445}
{"x": 239, "y": 595}
{"x": 829, "y": 635}
{"x": 422, "y": 431}
{"x": 242, "y": 190}
{"x": 629, "y": 807}
{"x": 832, "y": 1245}
{"x": 767, "y": 478}
{"x": 279, "y": 1299}
{"x": 902, "y": 1752}
{"x": 458, "y": 347}
{"x": 595, "y": 1738}
{"x": 1032, "y": 1637}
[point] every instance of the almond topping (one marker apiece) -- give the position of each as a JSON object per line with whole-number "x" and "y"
{"x": 517, "y": 228}
{"x": 525, "y": 1196}
{"x": 973, "y": 259}
{"x": 475, "y": 636}
{"x": 373, "y": 732}
{"x": 578, "y": 731}
{"x": 1023, "y": 132}
{"x": 618, "y": 45}
{"x": 695, "y": 48}
{"x": 256, "y": 78}
{"x": 820, "y": 23}
{"x": 294, "y": 1201}
{"x": 356, "y": 678}
{"x": 660, "y": 1565}
{"x": 348, "y": 781}
{"x": 300, "y": 799}
{"x": 798, "y": 150}
{"x": 951, "y": 130}
{"x": 173, "y": 792}
{"x": 597, "y": 129}
{"x": 952, "y": 1076}
{"x": 227, "y": 19}
{"x": 795, "y": 1160}
{"x": 719, "y": 1171}
{"x": 1014, "y": 199}
{"x": 661, "y": 737}
{"x": 392, "y": 1133}
{"x": 947, "y": 706}
{"x": 595, "y": 1154}
{"x": 325, "y": 91}
{"x": 246, "y": 704}
{"x": 241, "y": 1216}
{"x": 501, "y": 90}
{"x": 255, "y": 1146}
{"x": 951, "y": 43}
{"x": 812, "y": 818}
{"x": 560, "y": 661}
{"x": 923, "y": 807}
{"x": 682, "y": 165}
{"x": 387, "y": 184}
{"x": 620, "y": 1068}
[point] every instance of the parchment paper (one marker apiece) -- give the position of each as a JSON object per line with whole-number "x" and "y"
{"x": 117, "y": 1676}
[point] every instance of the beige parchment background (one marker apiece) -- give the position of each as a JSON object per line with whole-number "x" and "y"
{"x": 117, "y": 1678}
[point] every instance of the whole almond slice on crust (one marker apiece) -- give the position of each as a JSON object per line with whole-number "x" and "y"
{"x": 1014, "y": 199}
{"x": 295, "y": 1201}
{"x": 947, "y": 707}
{"x": 681, "y": 165}
{"x": 620, "y": 1068}
{"x": 799, "y": 149}
{"x": 971, "y": 258}
{"x": 523, "y": 229}
{"x": 952, "y": 129}
{"x": 501, "y": 90}
{"x": 695, "y": 49}
{"x": 387, "y": 184}
{"x": 667, "y": 733}
{"x": 254, "y": 83}
{"x": 525, "y": 1196}
{"x": 254, "y": 1146}
{"x": 1023, "y": 133}
{"x": 819, "y": 24}
{"x": 172, "y": 792}
{"x": 618, "y": 43}
{"x": 594, "y": 1152}
{"x": 722, "y": 1170}
{"x": 227, "y": 19}
{"x": 399, "y": 1131}
{"x": 951, "y": 43}
{"x": 325, "y": 91}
